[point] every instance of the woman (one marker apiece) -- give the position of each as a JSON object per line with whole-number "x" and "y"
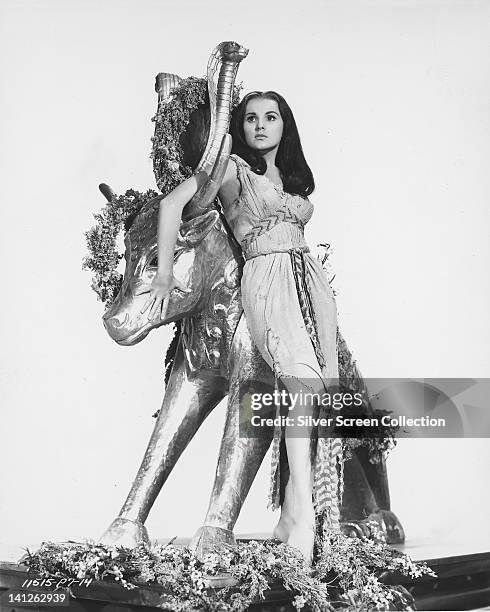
{"x": 288, "y": 304}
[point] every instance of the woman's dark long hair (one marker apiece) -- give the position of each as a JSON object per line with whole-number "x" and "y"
{"x": 296, "y": 175}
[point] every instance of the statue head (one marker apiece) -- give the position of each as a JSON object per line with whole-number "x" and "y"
{"x": 202, "y": 251}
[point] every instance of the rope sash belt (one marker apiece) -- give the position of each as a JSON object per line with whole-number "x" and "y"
{"x": 300, "y": 249}
{"x": 281, "y": 215}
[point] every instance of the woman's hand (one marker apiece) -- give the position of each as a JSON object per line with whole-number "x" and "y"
{"x": 161, "y": 287}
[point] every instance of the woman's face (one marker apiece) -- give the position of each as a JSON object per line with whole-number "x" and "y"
{"x": 262, "y": 124}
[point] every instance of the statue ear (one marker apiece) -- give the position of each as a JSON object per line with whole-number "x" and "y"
{"x": 194, "y": 231}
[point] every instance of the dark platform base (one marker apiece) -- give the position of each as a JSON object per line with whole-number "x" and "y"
{"x": 463, "y": 583}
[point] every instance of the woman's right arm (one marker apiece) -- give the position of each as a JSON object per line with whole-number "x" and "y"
{"x": 230, "y": 185}
{"x": 169, "y": 218}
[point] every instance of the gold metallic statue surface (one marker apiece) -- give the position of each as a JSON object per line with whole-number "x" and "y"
{"x": 215, "y": 355}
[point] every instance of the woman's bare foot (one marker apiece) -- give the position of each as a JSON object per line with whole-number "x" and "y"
{"x": 283, "y": 528}
{"x": 302, "y": 537}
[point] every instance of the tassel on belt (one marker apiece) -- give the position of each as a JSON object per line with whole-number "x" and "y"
{"x": 300, "y": 249}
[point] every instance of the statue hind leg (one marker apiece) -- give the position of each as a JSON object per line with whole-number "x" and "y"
{"x": 358, "y": 501}
{"x": 377, "y": 477}
{"x": 366, "y": 492}
{"x": 185, "y": 406}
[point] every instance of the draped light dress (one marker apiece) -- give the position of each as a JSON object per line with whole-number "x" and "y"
{"x": 290, "y": 311}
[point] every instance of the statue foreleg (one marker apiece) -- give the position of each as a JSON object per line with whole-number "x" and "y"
{"x": 186, "y": 404}
{"x": 238, "y": 464}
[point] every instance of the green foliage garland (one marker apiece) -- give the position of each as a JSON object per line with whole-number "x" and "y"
{"x": 104, "y": 257}
{"x": 346, "y": 575}
{"x": 171, "y": 121}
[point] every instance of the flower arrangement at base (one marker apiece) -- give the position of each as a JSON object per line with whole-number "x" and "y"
{"x": 346, "y": 575}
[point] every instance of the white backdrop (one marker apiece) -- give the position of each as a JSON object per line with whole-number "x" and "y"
{"x": 392, "y": 102}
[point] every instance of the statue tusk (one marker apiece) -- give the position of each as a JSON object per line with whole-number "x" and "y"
{"x": 222, "y": 69}
{"x": 205, "y": 196}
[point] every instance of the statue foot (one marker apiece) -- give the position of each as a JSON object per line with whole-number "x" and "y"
{"x": 387, "y": 521}
{"x": 390, "y": 524}
{"x": 208, "y": 537}
{"x": 126, "y": 533}
{"x": 219, "y": 581}
{"x": 204, "y": 542}
{"x": 355, "y": 529}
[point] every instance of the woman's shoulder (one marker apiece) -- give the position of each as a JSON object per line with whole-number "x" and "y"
{"x": 239, "y": 161}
